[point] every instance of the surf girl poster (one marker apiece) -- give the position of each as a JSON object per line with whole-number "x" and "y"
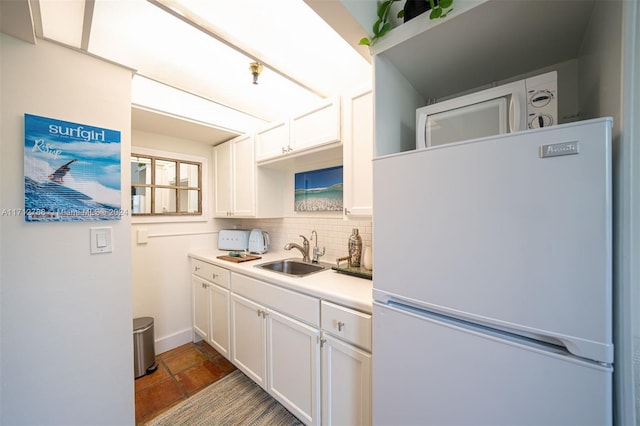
{"x": 71, "y": 171}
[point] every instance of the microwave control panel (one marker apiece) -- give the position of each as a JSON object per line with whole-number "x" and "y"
{"x": 542, "y": 100}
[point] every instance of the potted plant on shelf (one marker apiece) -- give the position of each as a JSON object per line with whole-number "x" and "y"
{"x": 412, "y": 8}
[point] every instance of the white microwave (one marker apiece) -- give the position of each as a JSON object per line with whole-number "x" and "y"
{"x": 526, "y": 104}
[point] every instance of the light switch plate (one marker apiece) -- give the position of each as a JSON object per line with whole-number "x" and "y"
{"x": 101, "y": 240}
{"x": 143, "y": 236}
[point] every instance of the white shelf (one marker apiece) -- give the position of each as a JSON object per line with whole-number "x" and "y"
{"x": 484, "y": 41}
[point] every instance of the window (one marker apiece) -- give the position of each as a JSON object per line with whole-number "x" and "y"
{"x": 163, "y": 186}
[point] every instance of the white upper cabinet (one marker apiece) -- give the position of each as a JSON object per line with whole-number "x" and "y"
{"x": 272, "y": 141}
{"x": 243, "y": 176}
{"x": 316, "y": 127}
{"x": 222, "y": 181}
{"x": 241, "y": 189}
{"x": 300, "y": 133}
{"x": 235, "y": 191}
{"x": 358, "y": 152}
{"x": 480, "y": 43}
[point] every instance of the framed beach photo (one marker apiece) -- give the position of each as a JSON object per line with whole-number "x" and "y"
{"x": 319, "y": 190}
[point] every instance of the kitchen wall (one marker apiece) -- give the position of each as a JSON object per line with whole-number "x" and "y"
{"x": 160, "y": 266}
{"x": 161, "y": 287}
{"x": 333, "y": 233}
{"x": 66, "y": 354}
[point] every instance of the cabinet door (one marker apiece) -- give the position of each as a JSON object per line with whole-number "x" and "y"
{"x": 316, "y": 127}
{"x": 272, "y": 141}
{"x": 248, "y": 338}
{"x": 294, "y": 366}
{"x": 219, "y": 333}
{"x": 358, "y": 153}
{"x": 243, "y": 176}
{"x": 200, "y": 303}
{"x": 222, "y": 185}
{"x": 346, "y": 384}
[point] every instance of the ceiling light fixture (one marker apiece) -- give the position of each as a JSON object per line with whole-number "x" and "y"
{"x": 256, "y": 69}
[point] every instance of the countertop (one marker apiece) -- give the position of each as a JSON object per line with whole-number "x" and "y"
{"x": 330, "y": 285}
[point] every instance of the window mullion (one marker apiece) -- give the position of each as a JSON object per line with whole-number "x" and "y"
{"x": 177, "y": 191}
{"x": 153, "y": 186}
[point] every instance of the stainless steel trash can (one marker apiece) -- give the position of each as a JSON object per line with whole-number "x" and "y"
{"x": 144, "y": 356}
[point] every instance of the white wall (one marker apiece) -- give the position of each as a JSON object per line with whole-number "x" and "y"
{"x": 66, "y": 323}
{"x": 160, "y": 267}
{"x": 607, "y": 74}
{"x": 627, "y": 213}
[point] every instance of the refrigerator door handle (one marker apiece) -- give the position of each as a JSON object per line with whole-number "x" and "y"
{"x": 580, "y": 348}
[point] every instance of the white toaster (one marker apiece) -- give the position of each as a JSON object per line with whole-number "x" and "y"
{"x": 233, "y": 239}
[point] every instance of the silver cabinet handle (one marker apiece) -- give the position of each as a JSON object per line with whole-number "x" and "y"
{"x": 214, "y": 275}
{"x": 340, "y": 325}
{"x": 197, "y": 268}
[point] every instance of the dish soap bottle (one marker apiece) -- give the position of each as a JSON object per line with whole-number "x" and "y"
{"x": 355, "y": 248}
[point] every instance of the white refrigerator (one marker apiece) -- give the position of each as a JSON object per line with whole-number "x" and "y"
{"x": 493, "y": 281}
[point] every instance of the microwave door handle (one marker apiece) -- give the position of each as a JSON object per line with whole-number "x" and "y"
{"x": 515, "y": 114}
{"x": 421, "y": 134}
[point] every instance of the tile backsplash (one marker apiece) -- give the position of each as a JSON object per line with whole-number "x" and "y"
{"x": 333, "y": 233}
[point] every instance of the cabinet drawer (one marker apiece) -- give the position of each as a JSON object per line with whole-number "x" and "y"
{"x": 210, "y": 272}
{"x": 347, "y": 324}
{"x": 297, "y": 305}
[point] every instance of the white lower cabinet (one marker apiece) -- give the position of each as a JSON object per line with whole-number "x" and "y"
{"x": 346, "y": 383}
{"x": 278, "y": 352}
{"x": 210, "y": 302}
{"x": 293, "y": 362}
{"x": 248, "y": 339}
{"x": 313, "y": 356}
{"x": 346, "y": 365}
{"x": 201, "y": 307}
{"x": 220, "y": 329}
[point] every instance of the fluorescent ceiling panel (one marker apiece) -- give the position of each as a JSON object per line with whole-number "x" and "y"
{"x": 62, "y": 20}
{"x": 285, "y": 34}
{"x": 160, "y": 46}
{"x": 159, "y": 97}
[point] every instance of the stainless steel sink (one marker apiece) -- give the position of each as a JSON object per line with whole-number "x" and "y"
{"x": 293, "y": 267}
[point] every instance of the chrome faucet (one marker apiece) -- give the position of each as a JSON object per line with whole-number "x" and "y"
{"x": 304, "y": 249}
{"x": 316, "y": 251}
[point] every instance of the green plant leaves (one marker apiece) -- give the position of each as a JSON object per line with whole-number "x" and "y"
{"x": 385, "y": 29}
{"x": 382, "y": 26}
{"x": 384, "y": 9}
{"x": 438, "y": 11}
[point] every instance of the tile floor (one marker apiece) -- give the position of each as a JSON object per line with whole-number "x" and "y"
{"x": 182, "y": 372}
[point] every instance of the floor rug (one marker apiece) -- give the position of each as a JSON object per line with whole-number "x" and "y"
{"x": 233, "y": 400}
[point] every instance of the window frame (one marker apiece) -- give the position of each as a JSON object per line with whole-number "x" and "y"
{"x": 178, "y": 158}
